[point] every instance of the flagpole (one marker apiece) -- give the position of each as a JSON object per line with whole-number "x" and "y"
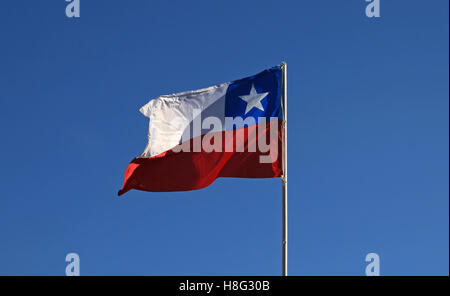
{"x": 284, "y": 175}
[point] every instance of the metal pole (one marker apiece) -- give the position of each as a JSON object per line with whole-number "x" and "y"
{"x": 284, "y": 167}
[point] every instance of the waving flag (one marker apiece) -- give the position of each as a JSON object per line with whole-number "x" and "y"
{"x": 228, "y": 130}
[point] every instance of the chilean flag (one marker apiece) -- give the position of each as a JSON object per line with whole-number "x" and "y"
{"x": 228, "y": 130}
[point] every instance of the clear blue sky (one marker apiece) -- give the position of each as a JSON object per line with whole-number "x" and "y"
{"x": 368, "y": 137}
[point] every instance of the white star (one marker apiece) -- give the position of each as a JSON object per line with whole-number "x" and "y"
{"x": 254, "y": 99}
